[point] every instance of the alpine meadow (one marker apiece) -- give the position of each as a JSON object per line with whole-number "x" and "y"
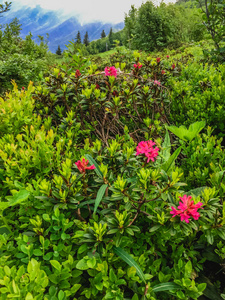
{"x": 112, "y": 159}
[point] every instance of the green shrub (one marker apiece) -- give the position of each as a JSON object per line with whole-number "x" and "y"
{"x": 90, "y": 216}
{"x": 198, "y": 93}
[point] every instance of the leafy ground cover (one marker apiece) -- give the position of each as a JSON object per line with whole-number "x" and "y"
{"x": 112, "y": 180}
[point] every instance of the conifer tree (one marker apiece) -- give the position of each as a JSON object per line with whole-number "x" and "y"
{"x": 110, "y": 36}
{"x": 86, "y": 39}
{"x": 59, "y": 51}
{"x": 103, "y": 34}
{"x": 78, "y": 38}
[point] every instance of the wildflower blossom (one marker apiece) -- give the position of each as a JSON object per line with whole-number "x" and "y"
{"x": 158, "y": 59}
{"x": 156, "y": 82}
{"x": 138, "y": 65}
{"x": 82, "y": 165}
{"x": 111, "y": 71}
{"x": 173, "y": 66}
{"x": 77, "y": 74}
{"x": 163, "y": 72}
{"x": 186, "y": 209}
{"x": 168, "y": 56}
{"x": 146, "y": 148}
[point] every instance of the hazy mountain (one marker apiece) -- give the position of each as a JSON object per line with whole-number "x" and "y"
{"x": 61, "y": 30}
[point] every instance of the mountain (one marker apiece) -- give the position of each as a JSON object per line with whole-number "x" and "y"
{"x": 61, "y": 30}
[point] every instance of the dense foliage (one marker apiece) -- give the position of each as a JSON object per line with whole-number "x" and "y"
{"x": 21, "y": 60}
{"x": 112, "y": 168}
{"x": 101, "y": 197}
{"x": 154, "y": 27}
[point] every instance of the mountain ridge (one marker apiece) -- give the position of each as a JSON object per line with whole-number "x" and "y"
{"x": 61, "y": 30}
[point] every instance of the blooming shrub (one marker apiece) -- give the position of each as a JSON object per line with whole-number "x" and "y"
{"x": 187, "y": 209}
{"x": 147, "y": 149}
{"x": 82, "y": 165}
{"x": 69, "y": 233}
{"x": 156, "y": 82}
{"x": 138, "y": 65}
{"x": 111, "y": 71}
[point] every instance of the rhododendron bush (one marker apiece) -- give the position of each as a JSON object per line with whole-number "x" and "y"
{"x": 100, "y": 200}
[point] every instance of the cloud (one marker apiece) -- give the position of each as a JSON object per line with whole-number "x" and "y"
{"x": 86, "y": 10}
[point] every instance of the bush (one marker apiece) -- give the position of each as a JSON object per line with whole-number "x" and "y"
{"x": 89, "y": 216}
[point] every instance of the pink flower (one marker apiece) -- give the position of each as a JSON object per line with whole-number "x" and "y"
{"x": 158, "y": 59}
{"x": 137, "y": 66}
{"x": 156, "y": 82}
{"x": 173, "y": 66}
{"x": 110, "y": 71}
{"x": 82, "y": 165}
{"x": 146, "y": 147}
{"x": 187, "y": 209}
{"x": 168, "y": 56}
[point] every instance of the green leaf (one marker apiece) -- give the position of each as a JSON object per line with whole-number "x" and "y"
{"x": 130, "y": 261}
{"x": 209, "y": 237}
{"x": 92, "y": 161}
{"x": 18, "y": 197}
{"x": 165, "y": 286}
{"x": 112, "y": 276}
{"x": 166, "y": 147}
{"x": 29, "y": 296}
{"x": 154, "y": 228}
{"x": 38, "y": 252}
{"x": 187, "y": 134}
{"x": 61, "y": 295}
{"x": 56, "y": 264}
{"x": 4, "y": 205}
{"x": 100, "y": 195}
{"x": 169, "y": 163}
{"x": 196, "y": 192}
{"x": 82, "y": 265}
{"x": 75, "y": 288}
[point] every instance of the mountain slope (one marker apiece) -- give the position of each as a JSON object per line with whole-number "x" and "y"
{"x": 61, "y": 30}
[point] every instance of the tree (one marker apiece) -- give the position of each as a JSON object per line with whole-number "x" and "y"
{"x": 5, "y": 7}
{"x": 78, "y": 38}
{"x": 213, "y": 15}
{"x": 103, "y": 35}
{"x": 59, "y": 51}
{"x": 130, "y": 23}
{"x": 11, "y": 34}
{"x": 110, "y": 36}
{"x": 86, "y": 39}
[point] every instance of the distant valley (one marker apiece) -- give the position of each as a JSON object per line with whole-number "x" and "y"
{"x": 61, "y": 30}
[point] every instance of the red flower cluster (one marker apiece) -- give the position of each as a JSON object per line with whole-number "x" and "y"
{"x": 158, "y": 59}
{"x": 168, "y": 56}
{"x": 77, "y": 74}
{"x": 186, "y": 209}
{"x": 138, "y": 65}
{"x": 146, "y": 147}
{"x": 173, "y": 66}
{"x": 82, "y": 165}
{"x": 163, "y": 72}
{"x": 110, "y": 71}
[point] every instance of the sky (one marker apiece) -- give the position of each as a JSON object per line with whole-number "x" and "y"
{"x": 112, "y": 11}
